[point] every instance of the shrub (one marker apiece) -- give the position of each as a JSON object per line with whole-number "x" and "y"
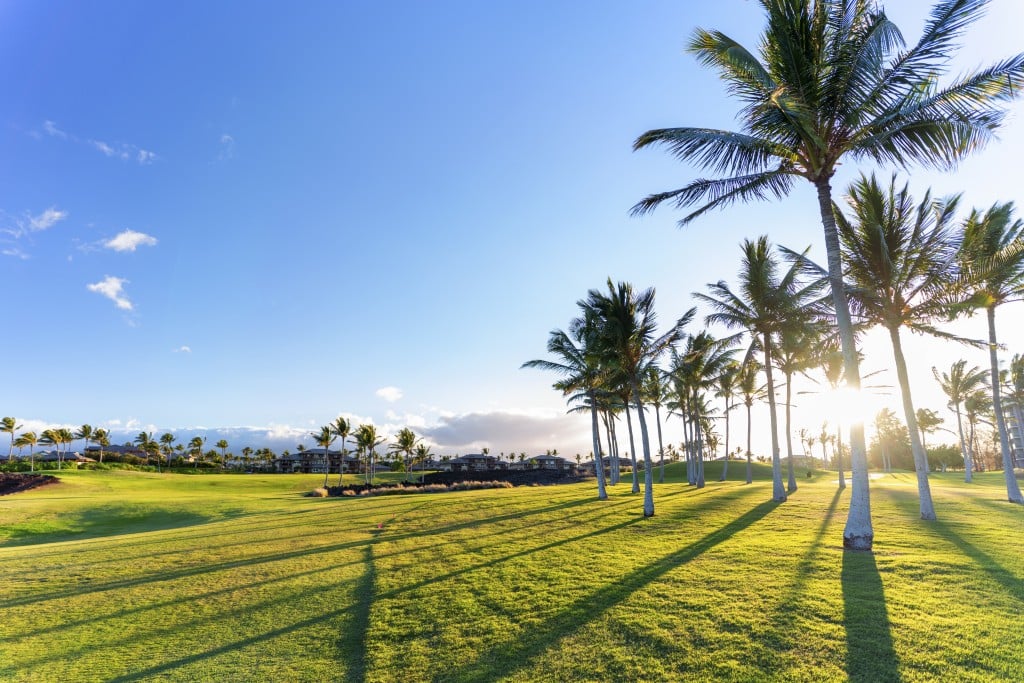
{"x": 319, "y": 492}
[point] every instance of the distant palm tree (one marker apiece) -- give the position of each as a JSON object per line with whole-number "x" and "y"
{"x": 726, "y": 387}
{"x": 342, "y": 428}
{"x": 655, "y": 394}
{"x": 223, "y": 446}
{"x": 831, "y": 83}
{"x": 768, "y": 303}
{"x": 927, "y": 421}
{"x": 167, "y": 442}
{"x": 404, "y": 445}
{"x": 422, "y": 455}
{"x": 367, "y": 441}
{"x": 751, "y": 390}
{"x": 959, "y": 384}
{"x": 30, "y": 440}
{"x": 975, "y": 406}
{"x": 195, "y": 449}
{"x": 102, "y": 439}
{"x": 324, "y": 438}
{"x": 626, "y": 326}
{"x": 86, "y": 434}
{"x": 797, "y": 352}
{"x": 9, "y": 425}
{"x": 992, "y": 257}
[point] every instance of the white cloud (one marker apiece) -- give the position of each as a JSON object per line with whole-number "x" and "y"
{"x": 130, "y": 240}
{"x": 113, "y": 288}
{"x": 16, "y": 253}
{"x": 389, "y": 394}
{"x": 183, "y": 349}
{"x": 227, "y": 147}
{"x": 47, "y": 219}
{"x": 53, "y": 131}
{"x": 103, "y": 147}
{"x": 144, "y": 156}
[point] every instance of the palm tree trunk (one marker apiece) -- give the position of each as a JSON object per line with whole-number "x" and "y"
{"x": 632, "y": 451}
{"x": 661, "y": 447}
{"x": 837, "y": 456}
{"x": 595, "y": 428}
{"x": 645, "y": 443}
{"x": 725, "y": 463}
{"x": 924, "y": 491}
{"x": 750, "y": 468}
{"x": 613, "y": 448}
{"x": 778, "y": 490}
{"x": 1012, "y": 488}
{"x": 858, "y": 533}
{"x": 789, "y": 433}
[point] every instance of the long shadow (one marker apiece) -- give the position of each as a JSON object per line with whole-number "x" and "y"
{"x": 870, "y": 656}
{"x": 352, "y": 646}
{"x": 508, "y": 658}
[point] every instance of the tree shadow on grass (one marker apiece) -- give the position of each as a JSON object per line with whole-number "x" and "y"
{"x": 870, "y": 656}
{"x": 507, "y": 658}
{"x": 352, "y": 645}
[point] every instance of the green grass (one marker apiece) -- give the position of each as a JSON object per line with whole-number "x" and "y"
{"x": 138, "y": 576}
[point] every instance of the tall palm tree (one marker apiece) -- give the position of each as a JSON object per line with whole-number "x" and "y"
{"x": 655, "y": 394}
{"x": 626, "y": 325}
{"x": 797, "y": 352}
{"x": 66, "y": 437}
{"x": 342, "y": 429}
{"x": 927, "y": 422}
{"x": 767, "y": 304}
{"x": 86, "y": 434}
{"x": 223, "y": 446}
{"x": 578, "y": 365}
{"x": 9, "y": 425}
{"x": 992, "y": 256}
{"x": 958, "y": 384}
{"x": 422, "y": 455}
{"x": 102, "y": 439}
{"x": 977, "y": 404}
{"x": 167, "y": 442}
{"x": 900, "y": 264}
{"x": 367, "y": 440}
{"x": 142, "y": 441}
{"x": 195, "y": 449}
{"x": 30, "y": 440}
{"x": 726, "y": 388}
{"x": 833, "y": 82}
{"x": 404, "y": 445}
{"x": 51, "y": 437}
{"x": 324, "y": 438}
{"x": 751, "y": 390}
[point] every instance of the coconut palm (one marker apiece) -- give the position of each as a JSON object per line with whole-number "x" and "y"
{"x": 9, "y": 425}
{"x": 342, "y": 428}
{"x": 727, "y": 388}
{"x": 367, "y": 441}
{"x": 797, "y": 352}
{"x": 832, "y": 82}
{"x": 324, "y": 438}
{"x": 927, "y": 422}
{"x": 655, "y": 394}
{"x": 102, "y": 439}
{"x": 86, "y": 433}
{"x": 751, "y": 390}
{"x": 29, "y": 440}
{"x": 578, "y": 365}
{"x": 422, "y": 455}
{"x": 767, "y": 304}
{"x": 223, "y": 446}
{"x": 900, "y": 260}
{"x": 195, "y": 449}
{"x": 626, "y": 325}
{"x": 404, "y": 445}
{"x": 167, "y": 446}
{"x": 52, "y": 437}
{"x": 992, "y": 257}
{"x": 959, "y": 383}
{"x": 976, "y": 405}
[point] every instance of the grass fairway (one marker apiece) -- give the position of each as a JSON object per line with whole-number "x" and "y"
{"x": 133, "y": 576}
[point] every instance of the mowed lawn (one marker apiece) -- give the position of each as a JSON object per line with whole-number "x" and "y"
{"x": 135, "y": 576}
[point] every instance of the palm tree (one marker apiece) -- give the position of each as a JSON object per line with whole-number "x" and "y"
{"x": 626, "y": 325}
{"x": 581, "y": 375}
{"x": 977, "y": 404}
{"x": 66, "y": 437}
{"x": 655, "y": 394}
{"x": 342, "y": 428}
{"x": 102, "y": 439}
{"x": 927, "y": 422}
{"x": 900, "y": 260}
{"x": 86, "y": 434}
{"x": 992, "y": 256}
{"x": 750, "y": 390}
{"x": 768, "y": 304}
{"x": 50, "y": 437}
{"x": 958, "y": 384}
{"x": 797, "y": 352}
{"x": 833, "y": 83}
{"x": 9, "y": 425}
{"x": 142, "y": 441}
{"x": 367, "y": 441}
{"x": 223, "y": 446}
{"x": 727, "y": 387}
{"x": 30, "y": 440}
{"x": 324, "y": 438}
{"x": 422, "y": 455}
{"x": 405, "y": 443}
{"x": 195, "y": 449}
{"x": 167, "y": 442}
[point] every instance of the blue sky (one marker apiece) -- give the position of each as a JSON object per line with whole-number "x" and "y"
{"x": 222, "y": 215}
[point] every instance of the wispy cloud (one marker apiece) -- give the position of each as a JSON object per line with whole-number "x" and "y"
{"x": 130, "y": 240}
{"x": 227, "y": 148}
{"x": 47, "y": 219}
{"x": 183, "y": 349}
{"x": 113, "y": 288}
{"x": 389, "y": 394}
{"x": 15, "y": 252}
{"x": 115, "y": 150}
